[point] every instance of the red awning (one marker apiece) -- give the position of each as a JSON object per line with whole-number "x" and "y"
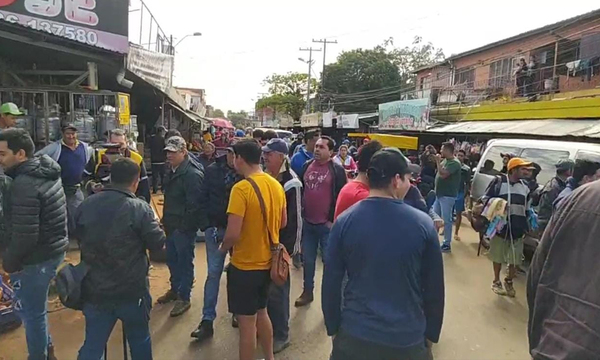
{"x": 224, "y": 123}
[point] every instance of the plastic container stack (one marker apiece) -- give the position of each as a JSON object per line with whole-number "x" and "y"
{"x": 107, "y": 121}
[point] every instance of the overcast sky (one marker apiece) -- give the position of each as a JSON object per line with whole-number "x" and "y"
{"x": 245, "y": 41}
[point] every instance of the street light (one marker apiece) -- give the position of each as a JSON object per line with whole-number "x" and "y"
{"x": 188, "y": 35}
{"x": 173, "y": 50}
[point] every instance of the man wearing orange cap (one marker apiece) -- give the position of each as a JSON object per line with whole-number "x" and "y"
{"x": 506, "y": 247}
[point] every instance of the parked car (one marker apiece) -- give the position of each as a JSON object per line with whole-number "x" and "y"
{"x": 282, "y": 134}
{"x": 545, "y": 153}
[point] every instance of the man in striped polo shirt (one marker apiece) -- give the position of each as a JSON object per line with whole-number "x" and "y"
{"x": 506, "y": 247}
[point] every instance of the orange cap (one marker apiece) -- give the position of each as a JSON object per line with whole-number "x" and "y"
{"x": 518, "y": 162}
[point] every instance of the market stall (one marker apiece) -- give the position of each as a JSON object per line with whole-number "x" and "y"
{"x": 46, "y": 110}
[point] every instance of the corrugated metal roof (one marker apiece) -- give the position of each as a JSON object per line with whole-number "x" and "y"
{"x": 548, "y": 127}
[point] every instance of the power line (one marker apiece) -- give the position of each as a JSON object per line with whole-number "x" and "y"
{"x": 324, "y": 42}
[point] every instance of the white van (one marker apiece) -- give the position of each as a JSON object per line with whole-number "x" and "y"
{"x": 545, "y": 153}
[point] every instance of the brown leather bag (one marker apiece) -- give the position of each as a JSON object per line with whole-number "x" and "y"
{"x": 280, "y": 259}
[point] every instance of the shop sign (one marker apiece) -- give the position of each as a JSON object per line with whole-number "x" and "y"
{"x": 285, "y": 120}
{"x": 328, "y": 119}
{"x": 404, "y": 115}
{"x": 101, "y": 23}
{"x": 155, "y": 68}
{"x": 310, "y": 120}
{"x": 124, "y": 112}
{"x": 349, "y": 121}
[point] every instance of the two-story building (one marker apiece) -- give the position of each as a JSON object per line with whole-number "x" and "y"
{"x": 195, "y": 99}
{"x": 552, "y": 72}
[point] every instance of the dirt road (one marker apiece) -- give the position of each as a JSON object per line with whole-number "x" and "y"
{"x": 477, "y": 325}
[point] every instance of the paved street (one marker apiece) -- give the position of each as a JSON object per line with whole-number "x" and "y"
{"x": 477, "y": 325}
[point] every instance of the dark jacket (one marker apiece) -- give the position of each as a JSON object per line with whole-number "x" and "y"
{"x": 339, "y": 180}
{"x": 115, "y": 229}
{"x": 291, "y": 234}
{"x": 219, "y": 179}
{"x": 98, "y": 169}
{"x": 37, "y": 214}
{"x": 182, "y": 209}
{"x": 563, "y": 288}
{"x": 572, "y": 184}
{"x": 205, "y": 161}
{"x": 547, "y": 197}
{"x": 157, "y": 149}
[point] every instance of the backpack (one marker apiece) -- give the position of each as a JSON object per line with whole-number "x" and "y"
{"x": 8, "y": 318}
{"x": 69, "y": 282}
{"x": 480, "y": 223}
{"x": 105, "y": 162}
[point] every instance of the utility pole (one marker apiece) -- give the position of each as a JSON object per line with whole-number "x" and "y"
{"x": 310, "y": 62}
{"x": 324, "y": 42}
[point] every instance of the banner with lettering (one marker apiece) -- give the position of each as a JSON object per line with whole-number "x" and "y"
{"x": 404, "y": 115}
{"x": 101, "y": 23}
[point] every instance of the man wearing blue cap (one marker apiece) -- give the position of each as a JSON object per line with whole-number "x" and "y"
{"x": 277, "y": 164}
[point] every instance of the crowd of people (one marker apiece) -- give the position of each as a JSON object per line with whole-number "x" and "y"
{"x": 249, "y": 191}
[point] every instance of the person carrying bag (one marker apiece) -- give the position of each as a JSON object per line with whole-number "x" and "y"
{"x": 280, "y": 259}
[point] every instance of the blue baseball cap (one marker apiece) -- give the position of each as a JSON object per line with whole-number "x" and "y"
{"x": 277, "y": 145}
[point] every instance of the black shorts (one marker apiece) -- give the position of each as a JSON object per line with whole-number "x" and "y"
{"x": 247, "y": 290}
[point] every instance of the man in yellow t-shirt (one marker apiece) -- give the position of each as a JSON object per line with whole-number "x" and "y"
{"x": 248, "y": 276}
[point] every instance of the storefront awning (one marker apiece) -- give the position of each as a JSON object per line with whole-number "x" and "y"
{"x": 398, "y": 141}
{"x": 548, "y": 127}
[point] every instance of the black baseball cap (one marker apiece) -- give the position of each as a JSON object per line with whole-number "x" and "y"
{"x": 388, "y": 162}
{"x": 69, "y": 127}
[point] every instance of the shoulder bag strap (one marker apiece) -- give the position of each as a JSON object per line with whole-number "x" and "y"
{"x": 263, "y": 210}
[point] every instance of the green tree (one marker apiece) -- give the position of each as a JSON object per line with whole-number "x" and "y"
{"x": 360, "y": 80}
{"x": 410, "y": 58}
{"x": 287, "y": 93}
{"x": 292, "y": 83}
{"x": 291, "y": 105}
{"x": 218, "y": 113}
{"x": 238, "y": 119}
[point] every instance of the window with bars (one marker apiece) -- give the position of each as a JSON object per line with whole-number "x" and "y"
{"x": 500, "y": 73}
{"x": 465, "y": 76}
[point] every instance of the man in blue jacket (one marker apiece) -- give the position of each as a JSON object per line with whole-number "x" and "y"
{"x": 393, "y": 303}
{"x": 72, "y": 155}
{"x": 305, "y": 152}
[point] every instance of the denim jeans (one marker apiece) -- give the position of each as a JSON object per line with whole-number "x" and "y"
{"x": 31, "y": 298}
{"x": 313, "y": 236}
{"x": 74, "y": 197}
{"x": 180, "y": 260}
{"x": 158, "y": 172}
{"x": 215, "y": 261}
{"x": 278, "y": 308}
{"x": 100, "y": 319}
{"x": 444, "y": 206}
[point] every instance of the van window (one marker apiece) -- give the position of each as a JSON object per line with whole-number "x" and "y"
{"x": 546, "y": 159}
{"x": 493, "y": 155}
{"x": 588, "y": 155}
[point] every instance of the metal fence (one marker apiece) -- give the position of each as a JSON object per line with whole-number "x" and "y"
{"x": 150, "y": 34}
